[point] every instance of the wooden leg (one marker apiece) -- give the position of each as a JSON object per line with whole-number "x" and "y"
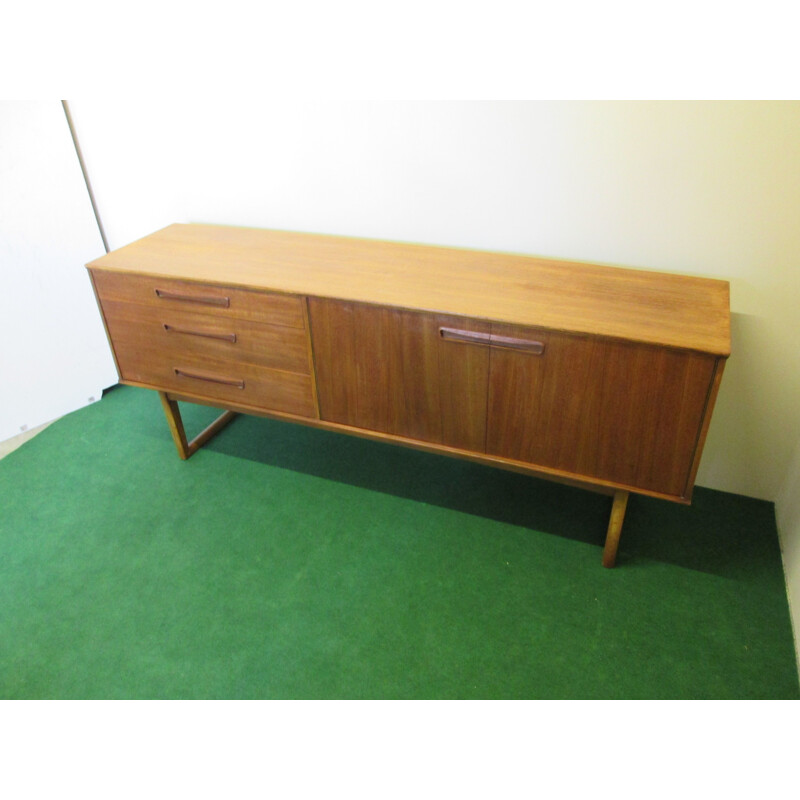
{"x": 185, "y": 447}
{"x": 615, "y": 528}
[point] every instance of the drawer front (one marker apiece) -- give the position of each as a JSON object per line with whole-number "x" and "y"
{"x": 157, "y": 331}
{"x": 617, "y": 411}
{"x": 221, "y": 301}
{"x": 217, "y": 379}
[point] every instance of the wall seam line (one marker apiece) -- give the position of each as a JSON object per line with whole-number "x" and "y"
{"x": 78, "y": 152}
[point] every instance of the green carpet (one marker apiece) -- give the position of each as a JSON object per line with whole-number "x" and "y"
{"x": 285, "y": 562}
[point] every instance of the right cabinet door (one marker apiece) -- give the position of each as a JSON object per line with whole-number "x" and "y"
{"x": 606, "y": 409}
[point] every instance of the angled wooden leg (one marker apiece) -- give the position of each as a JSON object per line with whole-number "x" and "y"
{"x": 615, "y": 528}
{"x": 185, "y": 447}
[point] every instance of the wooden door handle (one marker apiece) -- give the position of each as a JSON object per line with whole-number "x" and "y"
{"x": 228, "y": 337}
{"x": 532, "y": 346}
{"x": 208, "y": 300}
{"x": 471, "y": 337}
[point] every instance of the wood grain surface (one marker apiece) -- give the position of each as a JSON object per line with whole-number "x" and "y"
{"x": 218, "y": 379}
{"x": 580, "y": 372}
{"x": 389, "y": 370}
{"x": 174, "y": 330}
{"x": 222, "y": 300}
{"x": 625, "y": 412}
{"x": 637, "y": 305}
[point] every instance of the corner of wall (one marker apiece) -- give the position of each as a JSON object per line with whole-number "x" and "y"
{"x": 787, "y": 513}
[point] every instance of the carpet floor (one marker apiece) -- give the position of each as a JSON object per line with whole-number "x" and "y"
{"x": 286, "y": 562}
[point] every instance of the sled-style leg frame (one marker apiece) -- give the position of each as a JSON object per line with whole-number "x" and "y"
{"x": 185, "y": 447}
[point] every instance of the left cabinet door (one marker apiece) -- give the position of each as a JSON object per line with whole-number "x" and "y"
{"x": 390, "y": 370}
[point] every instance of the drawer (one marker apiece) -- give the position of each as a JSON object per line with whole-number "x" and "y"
{"x": 221, "y": 301}
{"x": 217, "y": 379}
{"x": 155, "y": 330}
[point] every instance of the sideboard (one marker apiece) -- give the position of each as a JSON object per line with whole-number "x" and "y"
{"x": 601, "y": 377}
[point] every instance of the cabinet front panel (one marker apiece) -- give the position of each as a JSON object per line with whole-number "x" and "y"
{"x": 389, "y": 370}
{"x": 167, "y": 294}
{"x": 611, "y": 410}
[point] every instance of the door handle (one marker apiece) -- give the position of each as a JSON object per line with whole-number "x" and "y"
{"x": 532, "y": 346}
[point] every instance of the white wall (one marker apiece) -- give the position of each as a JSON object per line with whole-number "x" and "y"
{"x": 787, "y": 507}
{"x": 54, "y": 357}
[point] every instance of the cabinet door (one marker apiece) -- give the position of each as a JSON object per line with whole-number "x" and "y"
{"x": 389, "y": 370}
{"x": 611, "y": 410}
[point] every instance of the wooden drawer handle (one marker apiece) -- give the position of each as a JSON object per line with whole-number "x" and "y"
{"x": 211, "y": 378}
{"x": 493, "y": 340}
{"x": 207, "y": 300}
{"x": 227, "y": 337}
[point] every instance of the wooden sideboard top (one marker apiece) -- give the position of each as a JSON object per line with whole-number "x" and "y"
{"x": 653, "y": 307}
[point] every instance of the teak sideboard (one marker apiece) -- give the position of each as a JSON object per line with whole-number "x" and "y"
{"x": 599, "y": 376}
